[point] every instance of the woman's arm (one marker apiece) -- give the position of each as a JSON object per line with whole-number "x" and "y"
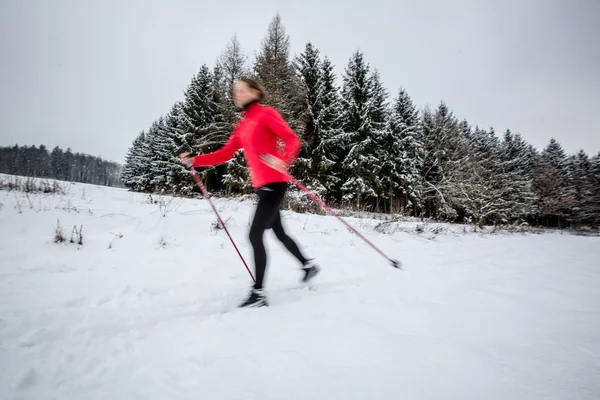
{"x": 222, "y": 155}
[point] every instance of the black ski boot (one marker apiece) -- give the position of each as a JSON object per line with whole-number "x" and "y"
{"x": 310, "y": 270}
{"x": 257, "y": 298}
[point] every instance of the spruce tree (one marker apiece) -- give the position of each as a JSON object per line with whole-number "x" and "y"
{"x": 56, "y": 163}
{"x": 232, "y": 64}
{"x": 327, "y": 155}
{"x": 590, "y": 212}
{"x": 274, "y": 69}
{"x": 363, "y": 121}
{"x": 443, "y": 150}
{"x": 309, "y": 69}
{"x": 201, "y": 122}
{"x": 580, "y": 187}
{"x": 406, "y": 151}
{"x": 550, "y": 185}
{"x": 135, "y": 164}
{"x": 515, "y": 173}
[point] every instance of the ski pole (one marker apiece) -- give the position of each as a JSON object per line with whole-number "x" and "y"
{"x": 395, "y": 263}
{"x": 207, "y": 197}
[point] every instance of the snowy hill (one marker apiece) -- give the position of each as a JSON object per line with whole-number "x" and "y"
{"x": 145, "y": 308}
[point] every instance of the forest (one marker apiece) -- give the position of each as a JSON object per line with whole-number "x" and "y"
{"x": 34, "y": 161}
{"x": 364, "y": 148}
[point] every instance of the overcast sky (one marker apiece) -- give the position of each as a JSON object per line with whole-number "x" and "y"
{"x": 91, "y": 75}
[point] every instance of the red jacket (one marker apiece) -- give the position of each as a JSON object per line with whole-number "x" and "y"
{"x": 257, "y": 133}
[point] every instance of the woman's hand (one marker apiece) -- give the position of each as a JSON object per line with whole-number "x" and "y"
{"x": 275, "y": 163}
{"x": 186, "y": 159}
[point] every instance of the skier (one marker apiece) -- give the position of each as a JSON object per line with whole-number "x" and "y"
{"x": 257, "y": 134}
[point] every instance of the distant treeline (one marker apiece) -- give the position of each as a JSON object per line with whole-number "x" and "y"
{"x": 59, "y": 164}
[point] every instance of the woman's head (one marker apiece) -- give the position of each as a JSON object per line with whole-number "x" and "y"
{"x": 247, "y": 90}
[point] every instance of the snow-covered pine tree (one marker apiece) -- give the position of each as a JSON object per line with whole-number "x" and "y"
{"x": 133, "y": 163}
{"x": 42, "y": 161}
{"x": 146, "y": 158}
{"x": 308, "y": 65}
{"x": 444, "y": 151}
{"x": 580, "y": 187}
{"x": 590, "y": 212}
{"x": 428, "y": 187}
{"x": 550, "y": 185}
{"x": 179, "y": 180}
{"x": 200, "y": 122}
{"x": 163, "y": 157}
{"x": 168, "y": 174}
{"x": 383, "y": 155}
{"x": 359, "y": 167}
{"x": 68, "y": 162}
{"x": 232, "y": 65}
{"x": 514, "y": 171}
{"x": 406, "y": 152}
{"x": 56, "y": 163}
{"x": 275, "y": 71}
{"x": 326, "y": 156}
{"x": 489, "y": 203}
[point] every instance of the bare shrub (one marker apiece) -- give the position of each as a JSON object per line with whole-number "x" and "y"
{"x": 166, "y": 206}
{"x": 162, "y": 243}
{"x": 18, "y": 203}
{"x": 67, "y": 205}
{"x": 59, "y": 233}
{"x": 117, "y": 236}
{"x": 77, "y": 235}
{"x": 216, "y": 225}
{"x": 301, "y": 203}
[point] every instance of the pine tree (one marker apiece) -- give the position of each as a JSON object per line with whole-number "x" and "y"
{"x": 201, "y": 123}
{"x": 406, "y": 151}
{"x": 550, "y": 185}
{"x": 44, "y": 167}
{"x": 310, "y": 72}
{"x": 232, "y": 65}
{"x": 361, "y": 124}
{"x": 580, "y": 187}
{"x": 147, "y": 157}
{"x": 444, "y": 151}
{"x": 384, "y": 157}
{"x": 430, "y": 165}
{"x": 68, "y": 162}
{"x": 276, "y": 72}
{"x": 515, "y": 173}
{"x": 326, "y": 155}
{"x": 135, "y": 163}
{"x": 162, "y": 156}
{"x": 56, "y": 163}
{"x": 590, "y": 211}
{"x": 178, "y": 179}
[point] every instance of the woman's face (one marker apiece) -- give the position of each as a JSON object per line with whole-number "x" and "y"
{"x": 243, "y": 94}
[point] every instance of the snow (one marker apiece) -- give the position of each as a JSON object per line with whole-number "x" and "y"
{"x": 472, "y": 316}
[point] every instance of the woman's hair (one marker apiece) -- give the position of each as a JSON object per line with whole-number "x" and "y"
{"x": 253, "y": 84}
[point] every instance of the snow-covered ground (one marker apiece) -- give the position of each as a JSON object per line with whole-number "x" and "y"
{"x": 146, "y": 307}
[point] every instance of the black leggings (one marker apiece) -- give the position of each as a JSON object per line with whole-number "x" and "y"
{"x": 267, "y": 216}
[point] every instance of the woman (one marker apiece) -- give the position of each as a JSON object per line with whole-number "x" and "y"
{"x": 257, "y": 134}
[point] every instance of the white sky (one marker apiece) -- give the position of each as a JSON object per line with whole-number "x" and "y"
{"x": 91, "y": 75}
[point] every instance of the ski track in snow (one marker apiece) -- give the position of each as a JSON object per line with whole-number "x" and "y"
{"x": 472, "y": 316}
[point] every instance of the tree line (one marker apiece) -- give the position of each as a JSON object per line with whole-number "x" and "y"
{"x": 365, "y": 150}
{"x": 58, "y": 164}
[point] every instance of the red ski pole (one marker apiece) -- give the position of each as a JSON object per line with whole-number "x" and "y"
{"x": 205, "y": 193}
{"x": 395, "y": 263}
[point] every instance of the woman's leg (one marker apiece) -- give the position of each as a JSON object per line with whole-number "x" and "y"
{"x": 287, "y": 241}
{"x": 267, "y": 208}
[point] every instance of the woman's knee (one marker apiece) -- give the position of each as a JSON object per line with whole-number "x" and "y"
{"x": 256, "y": 234}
